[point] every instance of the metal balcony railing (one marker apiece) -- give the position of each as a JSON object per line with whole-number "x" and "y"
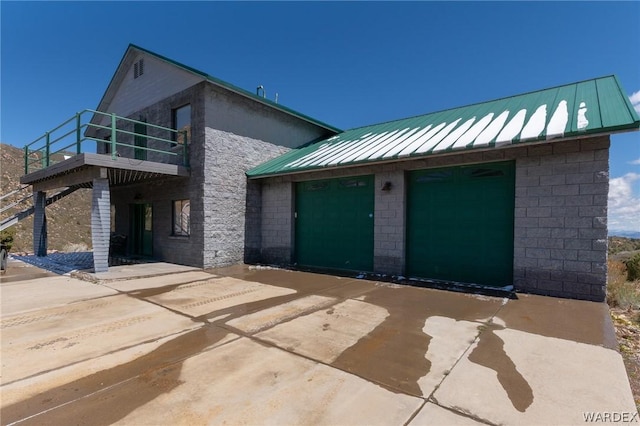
{"x": 121, "y": 136}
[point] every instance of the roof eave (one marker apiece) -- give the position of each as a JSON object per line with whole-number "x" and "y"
{"x": 111, "y": 84}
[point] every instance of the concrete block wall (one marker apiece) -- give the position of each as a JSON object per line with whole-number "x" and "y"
{"x": 277, "y": 222}
{"x": 389, "y": 223}
{"x": 560, "y": 224}
{"x": 560, "y": 217}
{"x": 253, "y": 223}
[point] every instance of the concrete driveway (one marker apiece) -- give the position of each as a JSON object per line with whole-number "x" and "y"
{"x": 263, "y": 346}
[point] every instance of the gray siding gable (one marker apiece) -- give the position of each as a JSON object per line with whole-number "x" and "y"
{"x": 126, "y": 94}
{"x": 159, "y": 81}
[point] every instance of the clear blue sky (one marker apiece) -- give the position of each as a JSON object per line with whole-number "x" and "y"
{"x": 348, "y": 64}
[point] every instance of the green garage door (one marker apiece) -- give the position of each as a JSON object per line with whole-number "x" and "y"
{"x": 460, "y": 224}
{"x": 334, "y": 223}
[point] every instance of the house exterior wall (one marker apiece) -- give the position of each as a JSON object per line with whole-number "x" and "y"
{"x": 277, "y": 222}
{"x": 161, "y": 114}
{"x": 240, "y": 134}
{"x": 225, "y": 142}
{"x": 225, "y": 197}
{"x": 159, "y": 79}
{"x": 389, "y": 222}
{"x": 560, "y": 233}
{"x": 560, "y": 226}
{"x": 161, "y": 192}
{"x": 235, "y": 114}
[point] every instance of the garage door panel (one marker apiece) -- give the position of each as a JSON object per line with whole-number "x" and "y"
{"x": 460, "y": 223}
{"x": 334, "y": 223}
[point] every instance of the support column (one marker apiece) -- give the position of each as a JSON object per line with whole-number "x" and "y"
{"x": 100, "y": 223}
{"x": 39, "y": 223}
{"x": 389, "y": 223}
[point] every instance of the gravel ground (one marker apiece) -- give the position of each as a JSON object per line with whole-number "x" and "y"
{"x": 60, "y": 263}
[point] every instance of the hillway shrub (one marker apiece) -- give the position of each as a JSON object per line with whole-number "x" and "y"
{"x": 6, "y": 237}
{"x": 633, "y": 268}
{"x": 621, "y": 292}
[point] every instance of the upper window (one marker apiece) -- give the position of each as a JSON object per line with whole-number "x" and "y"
{"x": 316, "y": 186}
{"x": 181, "y": 217}
{"x": 351, "y": 183}
{"x": 182, "y": 122}
{"x": 480, "y": 172}
{"x": 435, "y": 176}
{"x": 138, "y": 68}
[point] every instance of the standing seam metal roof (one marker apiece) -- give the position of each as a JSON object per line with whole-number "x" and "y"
{"x": 597, "y": 106}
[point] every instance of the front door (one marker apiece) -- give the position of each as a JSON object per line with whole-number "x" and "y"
{"x": 142, "y": 229}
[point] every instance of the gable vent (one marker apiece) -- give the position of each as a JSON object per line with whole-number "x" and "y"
{"x": 138, "y": 68}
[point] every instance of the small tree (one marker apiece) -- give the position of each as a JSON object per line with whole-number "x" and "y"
{"x": 633, "y": 268}
{"x": 6, "y": 237}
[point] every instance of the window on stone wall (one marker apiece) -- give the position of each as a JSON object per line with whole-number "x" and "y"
{"x": 181, "y": 121}
{"x": 181, "y": 217}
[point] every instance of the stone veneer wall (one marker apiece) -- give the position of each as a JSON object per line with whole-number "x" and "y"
{"x": 241, "y": 134}
{"x": 560, "y": 223}
{"x": 226, "y": 198}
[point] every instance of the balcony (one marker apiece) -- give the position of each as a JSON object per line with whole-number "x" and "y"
{"x": 97, "y": 144}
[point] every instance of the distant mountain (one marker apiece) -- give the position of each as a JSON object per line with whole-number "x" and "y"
{"x": 623, "y": 245}
{"x": 627, "y": 234}
{"x": 68, "y": 220}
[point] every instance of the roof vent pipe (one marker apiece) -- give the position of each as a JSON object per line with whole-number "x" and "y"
{"x": 264, "y": 92}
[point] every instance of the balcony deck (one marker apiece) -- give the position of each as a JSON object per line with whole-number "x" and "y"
{"x": 122, "y": 149}
{"x": 81, "y": 169}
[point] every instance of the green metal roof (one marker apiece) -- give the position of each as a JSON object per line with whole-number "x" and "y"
{"x": 597, "y": 106}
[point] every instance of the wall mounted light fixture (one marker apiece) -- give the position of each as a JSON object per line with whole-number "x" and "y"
{"x": 386, "y": 186}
